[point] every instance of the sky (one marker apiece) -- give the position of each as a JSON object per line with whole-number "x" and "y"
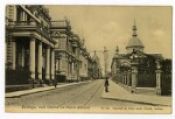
{"x": 111, "y": 26}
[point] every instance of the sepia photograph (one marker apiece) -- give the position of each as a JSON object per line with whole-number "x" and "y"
{"x": 88, "y": 59}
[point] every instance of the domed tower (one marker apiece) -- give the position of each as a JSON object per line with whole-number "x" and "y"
{"x": 134, "y": 43}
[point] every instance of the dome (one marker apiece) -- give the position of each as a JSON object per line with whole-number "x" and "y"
{"x": 134, "y": 42}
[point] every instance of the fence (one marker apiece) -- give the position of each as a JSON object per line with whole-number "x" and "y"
{"x": 166, "y": 77}
{"x": 17, "y": 77}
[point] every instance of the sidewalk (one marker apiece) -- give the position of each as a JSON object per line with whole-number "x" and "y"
{"x": 116, "y": 92}
{"x": 39, "y": 89}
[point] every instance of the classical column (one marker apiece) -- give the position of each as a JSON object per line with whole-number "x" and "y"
{"x": 32, "y": 58}
{"x": 21, "y": 16}
{"x": 124, "y": 78}
{"x": 122, "y": 81}
{"x": 158, "y": 78}
{"x": 24, "y": 16}
{"x": 73, "y": 68}
{"x": 77, "y": 70}
{"x": 40, "y": 60}
{"x": 69, "y": 68}
{"x": 134, "y": 77}
{"x": 14, "y": 54}
{"x": 53, "y": 64}
{"x": 48, "y": 63}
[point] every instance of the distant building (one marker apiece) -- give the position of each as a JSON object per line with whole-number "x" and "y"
{"x": 97, "y": 72}
{"x": 137, "y": 68}
{"x": 70, "y": 53}
{"x": 84, "y": 64}
{"x": 66, "y": 51}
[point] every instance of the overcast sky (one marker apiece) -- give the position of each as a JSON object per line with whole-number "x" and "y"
{"x": 112, "y": 25}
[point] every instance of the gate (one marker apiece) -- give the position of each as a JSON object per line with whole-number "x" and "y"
{"x": 146, "y": 72}
{"x": 146, "y": 79}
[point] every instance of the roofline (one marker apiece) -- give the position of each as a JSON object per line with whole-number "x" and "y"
{"x": 138, "y": 46}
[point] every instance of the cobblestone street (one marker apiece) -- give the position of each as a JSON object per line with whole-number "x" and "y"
{"x": 82, "y": 95}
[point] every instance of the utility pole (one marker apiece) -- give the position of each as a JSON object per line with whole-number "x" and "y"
{"x": 105, "y": 60}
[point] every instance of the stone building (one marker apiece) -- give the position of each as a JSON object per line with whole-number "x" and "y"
{"x": 137, "y": 68}
{"x": 96, "y": 68}
{"x": 29, "y": 46}
{"x": 66, "y": 51}
{"x": 39, "y": 50}
{"x": 70, "y": 54}
{"x": 90, "y": 66}
{"x": 84, "y": 64}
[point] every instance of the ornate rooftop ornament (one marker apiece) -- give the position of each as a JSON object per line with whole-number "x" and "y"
{"x": 134, "y": 42}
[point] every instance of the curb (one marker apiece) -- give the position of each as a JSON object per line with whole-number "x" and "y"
{"x": 27, "y": 93}
{"x": 51, "y": 88}
{"x": 137, "y": 102}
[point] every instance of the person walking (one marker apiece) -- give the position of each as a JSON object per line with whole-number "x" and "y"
{"x": 106, "y": 85}
{"x": 55, "y": 83}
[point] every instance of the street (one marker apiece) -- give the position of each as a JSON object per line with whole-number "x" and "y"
{"x": 88, "y": 94}
{"x": 73, "y": 58}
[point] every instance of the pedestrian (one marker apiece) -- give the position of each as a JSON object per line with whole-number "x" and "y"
{"x": 106, "y": 85}
{"x": 55, "y": 83}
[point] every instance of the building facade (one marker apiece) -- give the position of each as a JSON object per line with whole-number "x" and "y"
{"x": 66, "y": 51}
{"x": 139, "y": 69}
{"x": 29, "y": 46}
{"x": 96, "y": 68}
{"x": 70, "y": 53}
{"x": 40, "y": 50}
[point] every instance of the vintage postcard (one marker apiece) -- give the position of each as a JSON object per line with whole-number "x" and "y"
{"x": 85, "y": 58}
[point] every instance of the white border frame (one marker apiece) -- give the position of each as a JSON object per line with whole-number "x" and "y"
{"x": 76, "y": 115}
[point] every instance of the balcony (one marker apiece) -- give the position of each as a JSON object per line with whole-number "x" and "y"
{"x": 28, "y": 26}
